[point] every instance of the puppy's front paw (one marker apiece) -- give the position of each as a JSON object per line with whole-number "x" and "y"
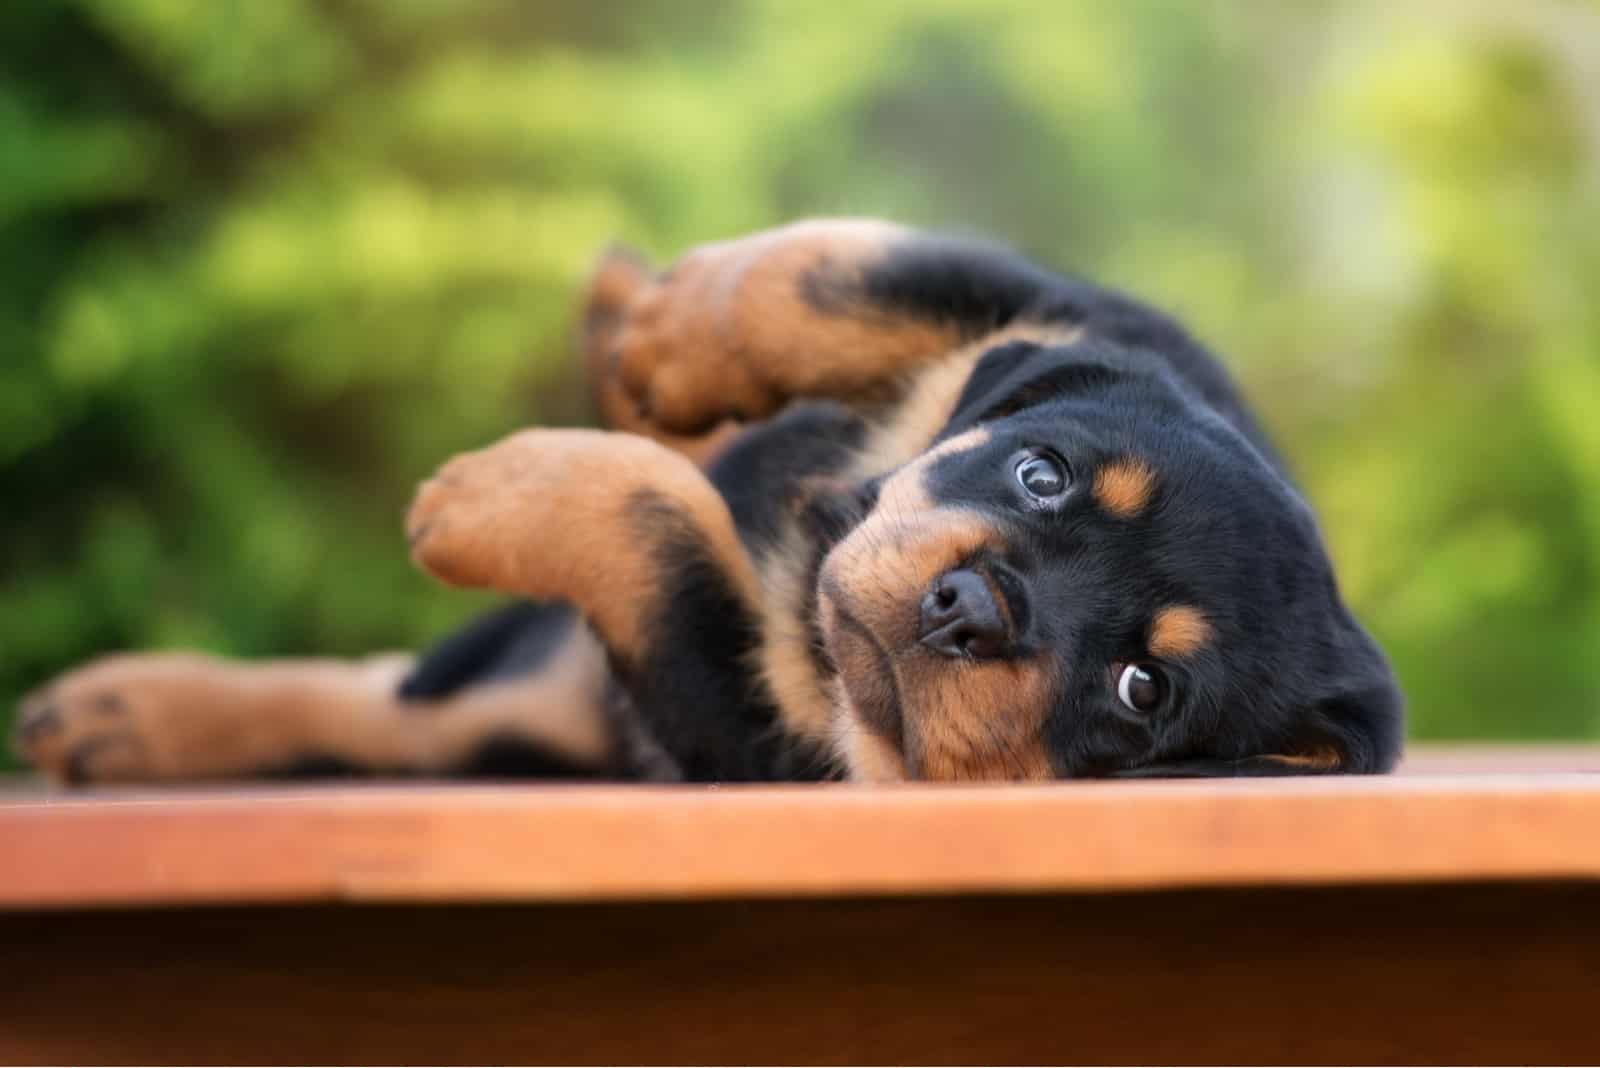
{"x": 582, "y": 516}
{"x": 457, "y": 517}
{"x": 502, "y": 516}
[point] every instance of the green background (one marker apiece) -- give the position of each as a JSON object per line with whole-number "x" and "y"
{"x": 264, "y": 263}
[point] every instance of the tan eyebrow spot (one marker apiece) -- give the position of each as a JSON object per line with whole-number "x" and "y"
{"x": 1123, "y": 487}
{"x": 1178, "y": 630}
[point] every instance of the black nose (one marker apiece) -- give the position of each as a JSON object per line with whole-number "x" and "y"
{"x": 960, "y": 617}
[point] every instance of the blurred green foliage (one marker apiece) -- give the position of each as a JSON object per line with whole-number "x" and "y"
{"x": 263, "y": 263}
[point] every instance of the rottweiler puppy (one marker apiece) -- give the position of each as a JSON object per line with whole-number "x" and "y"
{"x": 875, "y": 505}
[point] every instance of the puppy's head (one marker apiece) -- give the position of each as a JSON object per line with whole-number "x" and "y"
{"x": 1090, "y": 573}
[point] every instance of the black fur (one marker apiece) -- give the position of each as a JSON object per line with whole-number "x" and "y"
{"x": 981, "y": 287}
{"x": 507, "y": 756}
{"x": 319, "y": 766}
{"x": 811, "y": 438}
{"x": 498, "y": 756}
{"x": 511, "y": 641}
{"x": 1287, "y": 671}
{"x": 692, "y": 685}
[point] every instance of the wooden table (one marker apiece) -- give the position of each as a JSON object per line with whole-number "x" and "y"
{"x": 1448, "y": 913}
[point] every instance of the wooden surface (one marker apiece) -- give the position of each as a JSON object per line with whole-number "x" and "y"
{"x": 1460, "y": 974}
{"x": 1494, "y": 821}
{"x": 1450, "y": 914}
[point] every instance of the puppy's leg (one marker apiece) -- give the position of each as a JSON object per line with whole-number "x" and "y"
{"x": 632, "y": 535}
{"x": 844, "y": 309}
{"x": 617, "y": 280}
{"x": 180, "y": 717}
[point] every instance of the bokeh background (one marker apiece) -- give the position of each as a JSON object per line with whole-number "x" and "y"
{"x": 264, "y": 263}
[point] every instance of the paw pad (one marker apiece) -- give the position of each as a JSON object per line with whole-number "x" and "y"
{"x": 79, "y": 733}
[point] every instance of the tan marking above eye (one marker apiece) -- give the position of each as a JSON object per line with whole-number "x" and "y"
{"x": 931, "y": 393}
{"x": 1178, "y": 631}
{"x": 1123, "y": 487}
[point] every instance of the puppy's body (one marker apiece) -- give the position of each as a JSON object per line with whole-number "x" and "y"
{"x": 982, "y": 522}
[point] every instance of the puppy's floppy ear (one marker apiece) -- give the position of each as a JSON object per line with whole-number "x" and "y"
{"x": 1353, "y": 720}
{"x": 1248, "y": 768}
{"x": 1018, "y": 374}
{"x": 1362, "y": 725}
{"x": 1355, "y": 733}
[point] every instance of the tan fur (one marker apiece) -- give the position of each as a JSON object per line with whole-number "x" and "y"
{"x": 1123, "y": 487}
{"x": 660, "y": 321}
{"x": 960, "y": 719}
{"x": 728, "y": 331}
{"x": 869, "y": 756}
{"x": 616, "y": 281}
{"x": 554, "y": 515}
{"x": 892, "y": 551}
{"x": 784, "y": 658}
{"x": 1323, "y": 759}
{"x": 1178, "y": 631}
{"x": 727, "y": 334}
{"x": 169, "y": 717}
{"x": 734, "y": 311}
{"x": 985, "y": 722}
{"x": 928, "y": 398}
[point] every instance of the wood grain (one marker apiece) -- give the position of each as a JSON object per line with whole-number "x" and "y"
{"x": 596, "y": 843}
{"x": 1454, "y": 974}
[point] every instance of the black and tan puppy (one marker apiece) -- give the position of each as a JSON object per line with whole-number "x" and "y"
{"x": 959, "y": 518}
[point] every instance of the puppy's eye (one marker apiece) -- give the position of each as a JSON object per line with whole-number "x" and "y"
{"x": 1142, "y": 687}
{"x": 1042, "y": 476}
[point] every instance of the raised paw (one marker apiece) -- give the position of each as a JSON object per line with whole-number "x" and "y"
{"x": 588, "y": 517}
{"x": 618, "y": 280}
{"x": 121, "y": 719}
{"x": 682, "y": 355}
{"x": 737, "y": 329}
{"x": 487, "y": 518}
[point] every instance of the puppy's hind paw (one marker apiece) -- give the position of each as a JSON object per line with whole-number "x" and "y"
{"x": 86, "y": 727}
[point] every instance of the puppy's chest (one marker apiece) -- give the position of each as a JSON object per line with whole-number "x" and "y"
{"x": 792, "y": 661}
{"x": 823, "y": 503}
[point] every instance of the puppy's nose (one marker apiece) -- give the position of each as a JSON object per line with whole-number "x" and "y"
{"x": 961, "y": 619}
